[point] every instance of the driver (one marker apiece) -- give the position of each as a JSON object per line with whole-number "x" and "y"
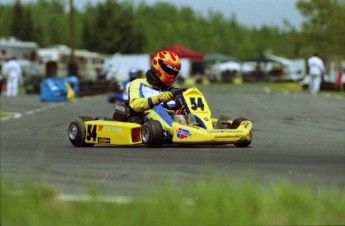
{"x": 151, "y": 92}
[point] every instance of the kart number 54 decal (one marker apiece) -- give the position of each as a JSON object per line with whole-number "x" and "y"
{"x": 196, "y": 103}
{"x": 91, "y": 132}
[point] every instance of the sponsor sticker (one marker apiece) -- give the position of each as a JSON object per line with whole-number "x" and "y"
{"x": 183, "y": 133}
{"x": 120, "y": 108}
{"x": 110, "y": 129}
{"x": 103, "y": 140}
{"x": 148, "y": 91}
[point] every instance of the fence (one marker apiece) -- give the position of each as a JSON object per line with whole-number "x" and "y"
{"x": 89, "y": 88}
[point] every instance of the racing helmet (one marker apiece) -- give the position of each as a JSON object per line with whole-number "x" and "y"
{"x": 133, "y": 74}
{"x": 166, "y": 65}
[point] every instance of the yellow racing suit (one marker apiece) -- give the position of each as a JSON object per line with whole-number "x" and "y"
{"x": 140, "y": 100}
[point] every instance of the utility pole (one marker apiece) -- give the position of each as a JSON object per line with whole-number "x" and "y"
{"x": 71, "y": 29}
{"x": 72, "y": 64}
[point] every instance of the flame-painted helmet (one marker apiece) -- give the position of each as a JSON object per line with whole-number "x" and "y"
{"x": 166, "y": 65}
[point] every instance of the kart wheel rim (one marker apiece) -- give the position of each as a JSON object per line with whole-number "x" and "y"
{"x": 72, "y": 132}
{"x": 145, "y": 135}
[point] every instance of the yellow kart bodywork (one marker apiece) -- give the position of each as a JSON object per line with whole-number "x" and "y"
{"x": 184, "y": 134}
{"x": 85, "y": 131}
{"x": 112, "y": 132}
{"x": 207, "y": 134}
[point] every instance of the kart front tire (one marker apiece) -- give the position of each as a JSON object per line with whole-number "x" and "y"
{"x": 76, "y": 131}
{"x": 152, "y": 134}
{"x": 235, "y": 124}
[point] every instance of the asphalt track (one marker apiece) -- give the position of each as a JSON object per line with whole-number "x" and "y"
{"x": 297, "y": 137}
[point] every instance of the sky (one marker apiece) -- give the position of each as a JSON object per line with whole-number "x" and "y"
{"x": 248, "y": 12}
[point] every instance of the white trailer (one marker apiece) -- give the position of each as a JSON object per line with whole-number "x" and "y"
{"x": 19, "y": 49}
{"x": 58, "y": 57}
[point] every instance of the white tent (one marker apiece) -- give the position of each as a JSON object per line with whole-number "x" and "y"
{"x": 293, "y": 69}
{"x": 118, "y": 66}
{"x": 233, "y": 66}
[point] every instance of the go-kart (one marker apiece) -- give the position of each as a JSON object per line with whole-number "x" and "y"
{"x": 192, "y": 124}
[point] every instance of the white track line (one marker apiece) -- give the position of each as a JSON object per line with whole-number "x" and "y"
{"x": 13, "y": 115}
{"x": 16, "y": 115}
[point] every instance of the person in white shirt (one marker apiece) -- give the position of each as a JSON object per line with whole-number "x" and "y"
{"x": 316, "y": 70}
{"x": 12, "y": 71}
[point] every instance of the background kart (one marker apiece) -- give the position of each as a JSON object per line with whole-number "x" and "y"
{"x": 192, "y": 124}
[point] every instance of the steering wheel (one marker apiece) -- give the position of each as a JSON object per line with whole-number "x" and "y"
{"x": 175, "y": 92}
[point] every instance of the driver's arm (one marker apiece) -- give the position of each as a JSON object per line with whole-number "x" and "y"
{"x": 139, "y": 103}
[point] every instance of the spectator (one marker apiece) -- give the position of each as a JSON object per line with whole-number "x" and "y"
{"x": 3, "y": 55}
{"x": 2, "y": 78}
{"x": 316, "y": 71}
{"x": 3, "y": 58}
{"x": 13, "y": 73}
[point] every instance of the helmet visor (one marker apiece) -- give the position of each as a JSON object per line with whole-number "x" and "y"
{"x": 170, "y": 70}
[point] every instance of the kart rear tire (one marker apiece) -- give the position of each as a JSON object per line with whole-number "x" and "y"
{"x": 235, "y": 124}
{"x": 152, "y": 134}
{"x": 77, "y": 132}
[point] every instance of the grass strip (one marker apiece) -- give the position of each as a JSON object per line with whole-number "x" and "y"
{"x": 218, "y": 202}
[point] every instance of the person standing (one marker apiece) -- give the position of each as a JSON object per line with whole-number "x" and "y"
{"x": 12, "y": 71}
{"x": 2, "y": 78}
{"x": 3, "y": 55}
{"x": 316, "y": 71}
{"x": 3, "y": 59}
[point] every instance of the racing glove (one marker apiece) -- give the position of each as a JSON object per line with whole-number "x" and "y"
{"x": 164, "y": 97}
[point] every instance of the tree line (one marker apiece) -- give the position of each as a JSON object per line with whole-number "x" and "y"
{"x": 112, "y": 26}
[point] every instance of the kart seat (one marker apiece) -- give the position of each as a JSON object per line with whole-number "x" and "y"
{"x": 223, "y": 122}
{"x": 124, "y": 113}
